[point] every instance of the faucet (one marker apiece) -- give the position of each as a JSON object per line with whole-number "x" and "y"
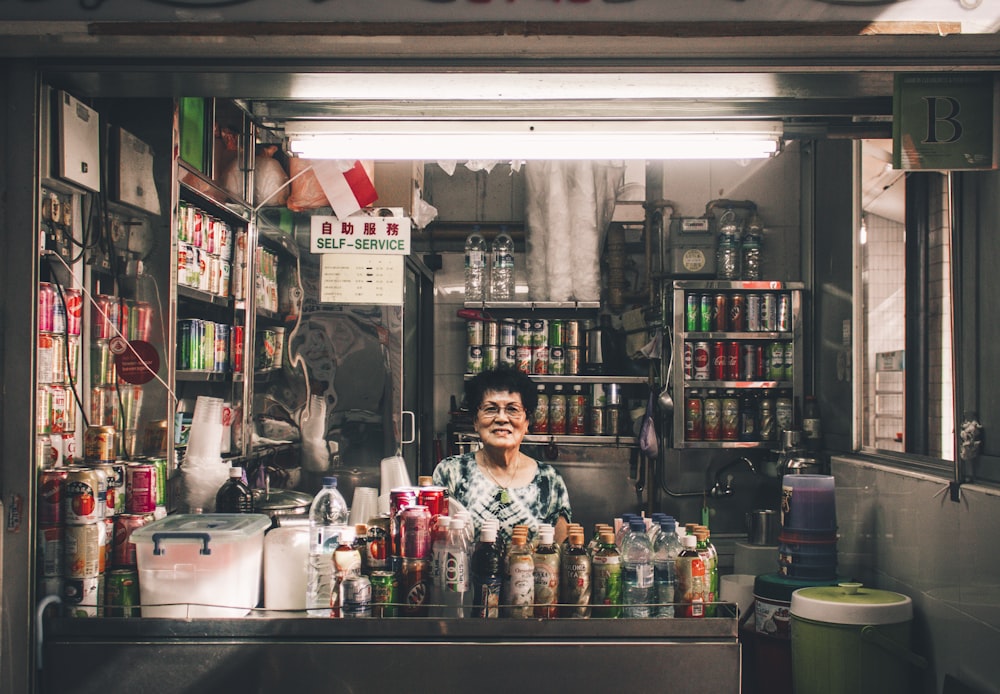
{"x": 725, "y": 488}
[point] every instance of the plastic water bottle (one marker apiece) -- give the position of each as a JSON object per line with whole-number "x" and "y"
{"x": 502, "y": 269}
{"x": 439, "y": 547}
{"x": 475, "y": 266}
{"x": 456, "y": 572}
{"x": 327, "y": 518}
{"x": 637, "y": 570}
{"x": 665, "y": 551}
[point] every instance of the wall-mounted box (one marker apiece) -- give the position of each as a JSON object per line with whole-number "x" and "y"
{"x": 398, "y": 184}
{"x": 78, "y": 138}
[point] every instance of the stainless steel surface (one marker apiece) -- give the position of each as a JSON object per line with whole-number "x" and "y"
{"x": 763, "y": 526}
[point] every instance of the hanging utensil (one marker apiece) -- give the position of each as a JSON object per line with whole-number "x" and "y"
{"x": 666, "y": 400}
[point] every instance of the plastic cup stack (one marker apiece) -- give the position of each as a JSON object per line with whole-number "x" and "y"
{"x": 807, "y": 546}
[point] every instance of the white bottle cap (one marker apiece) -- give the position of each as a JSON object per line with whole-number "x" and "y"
{"x": 488, "y": 534}
{"x": 690, "y": 542}
{"x": 546, "y": 535}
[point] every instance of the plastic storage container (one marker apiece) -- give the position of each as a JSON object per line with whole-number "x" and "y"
{"x": 808, "y": 504}
{"x": 847, "y": 639}
{"x": 193, "y": 566}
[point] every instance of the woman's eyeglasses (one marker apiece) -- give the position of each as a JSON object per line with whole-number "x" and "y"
{"x": 514, "y": 412}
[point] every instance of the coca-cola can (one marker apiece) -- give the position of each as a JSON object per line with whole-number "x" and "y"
{"x": 74, "y": 310}
{"x": 46, "y": 304}
{"x": 50, "y": 511}
{"x": 435, "y": 499}
{"x": 753, "y": 313}
{"x": 720, "y": 313}
{"x": 415, "y": 532}
{"x": 701, "y": 361}
{"x": 748, "y": 362}
{"x": 732, "y": 360}
{"x": 123, "y": 549}
{"x": 718, "y": 361}
{"x": 737, "y": 313}
{"x": 688, "y": 361}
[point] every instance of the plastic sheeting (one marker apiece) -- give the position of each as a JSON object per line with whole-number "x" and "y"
{"x": 569, "y": 205}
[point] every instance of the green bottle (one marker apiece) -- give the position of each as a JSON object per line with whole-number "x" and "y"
{"x": 607, "y": 579}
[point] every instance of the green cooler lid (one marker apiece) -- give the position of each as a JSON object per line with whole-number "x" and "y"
{"x": 780, "y": 588}
{"x": 851, "y": 603}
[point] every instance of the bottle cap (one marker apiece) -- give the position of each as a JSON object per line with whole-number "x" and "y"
{"x": 488, "y": 534}
{"x": 519, "y": 540}
{"x": 637, "y": 525}
{"x": 576, "y": 538}
{"x": 690, "y": 542}
{"x": 360, "y": 530}
{"x": 457, "y": 524}
{"x": 607, "y": 538}
{"x": 425, "y": 481}
{"x": 330, "y": 481}
{"x": 546, "y": 535}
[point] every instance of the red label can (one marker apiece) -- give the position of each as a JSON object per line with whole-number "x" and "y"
{"x": 123, "y": 549}
{"x": 105, "y": 317}
{"x": 701, "y": 361}
{"x": 732, "y": 361}
{"x": 74, "y": 310}
{"x": 720, "y": 313}
{"x": 693, "y": 417}
{"x": 737, "y": 313}
{"x": 236, "y": 348}
{"x": 83, "y": 496}
{"x": 140, "y": 488}
{"x": 719, "y": 361}
{"x": 400, "y": 498}
{"x": 50, "y": 511}
{"x": 435, "y": 499}
{"x": 46, "y": 305}
{"x": 415, "y": 532}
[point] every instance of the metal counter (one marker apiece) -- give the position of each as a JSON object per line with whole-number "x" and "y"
{"x": 388, "y": 655}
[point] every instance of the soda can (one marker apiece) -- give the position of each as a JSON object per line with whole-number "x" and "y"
{"x": 102, "y": 364}
{"x": 732, "y": 360}
{"x": 768, "y": 424}
{"x": 83, "y": 551}
{"x": 83, "y": 496}
{"x": 435, "y": 499}
{"x": 539, "y": 332}
{"x": 491, "y": 357}
{"x": 598, "y": 395}
{"x": 185, "y": 217}
{"x": 737, "y": 313}
{"x": 73, "y": 359}
{"x": 596, "y": 420}
{"x": 236, "y": 348}
{"x": 414, "y": 583}
{"x": 525, "y": 360}
{"x": 768, "y": 312}
{"x": 540, "y": 360}
{"x": 705, "y": 308}
{"x": 225, "y": 277}
{"x": 50, "y": 511}
{"x": 122, "y": 548}
{"x": 612, "y": 420}
{"x": 508, "y": 333}
{"x": 491, "y": 333}
{"x": 99, "y": 443}
{"x": 46, "y": 302}
{"x": 719, "y": 361}
{"x": 613, "y": 393}
{"x": 116, "y": 481}
{"x": 572, "y": 367}
{"x": 753, "y": 311}
{"x": 143, "y": 312}
{"x": 692, "y": 312}
{"x": 474, "y": 359}
{"x": 140, "y": 488}
{"x": 69, "y": 456}
{"x": 474, "y": 333}
{"x": 51, "y": 551}
{"x": 748, "y": 361}
{"x": 572, "y": 335}
{"x": 59, "y": 401}
{"x": 43, "y": 452}
{"x": 701, "y": 361}
{"x": 107, "y": 541}
{"x": 58, "y": 314}
{"x": 789, "y": 361}
{"x": 783, "y": 322}
{"x": 508, "y": 356}
{"x": 693, "y": 417}
{"x": 415, "y": 532}
{"x": 45, "y": 357}
{"x": 220, "y": 361}
{"x": 356, "y": 596}
{"x": 775, "y": 361}
{"x": 105, "y": 317}
{"x": 110, "y": 491}
{"x": 385, "y": 589}
{"x": 400, "y": 498}
{"x": 688, "y": 361}
{"x": 83, "y": 597}
{"x": 184, "y": 328}
{"x": 523, "y": 335}
{"x": 43, "y": 410}
{"x": 122, "y": 597}
{"x": 556, "y": 333}
{"x": 557, "y": 361}
{"x": 720, "y": 313}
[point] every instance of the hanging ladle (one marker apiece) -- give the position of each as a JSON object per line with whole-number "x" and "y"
{"x": 666, "y": 400}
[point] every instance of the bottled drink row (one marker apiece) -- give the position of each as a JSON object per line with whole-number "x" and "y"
{"x": 434, "y": 565}
{"x": 594, "y": 410}
{"x": 737, "y": 415}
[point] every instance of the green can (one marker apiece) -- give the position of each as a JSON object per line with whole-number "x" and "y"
{"x": 161, "y": 479}
{"x": 557, "y": 333}
{"x": 776, "y": 361}
{"x": 385, "y": 591}
{"x": 122, "y": 597}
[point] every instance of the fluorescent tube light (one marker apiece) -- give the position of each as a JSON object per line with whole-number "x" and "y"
{"x": 515, "y": 140}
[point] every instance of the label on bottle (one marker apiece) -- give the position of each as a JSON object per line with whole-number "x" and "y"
{"x": 487, "y": 598}
{"x": 546, "y": 578}
{"x": 689, "y": 587}
{"x": 574, "y": 592}
{"x": 456, "y": 577}
{"x": 521, "y": 587}
{"x": 607, "y": 583}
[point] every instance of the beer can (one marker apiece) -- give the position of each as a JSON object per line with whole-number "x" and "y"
{"x": 540, "y": 360}
{"x": 720, "y": 313}
{"x": 540, "y": 420}
{"x": 572, "y": 356}
{"x": 83, "y": 551}
{"x": 385, "y": 589}
{"x": 435, "y": 499}
{"x": 140, "y": 488}
{"x": 122, "y": 593}
{"x": 789, "y": 371}
{"x": 596, "y": 420}
{"x": 719, "y": 360}
{"x": 730, "y": 416}
{"x": 693, "y": 416}
{"x": 572, "y": 335}
{"x": 768, "y": 312}
{"x": 414, "y": 583}
{"x": 701, "y": 361}
{"x": 50, "y": 511}
{"x": 753, "y": 311}
{"x": 557, "y": 361}
{"x": 99, "y": 443}
{"x": 474, "y": 359}
{"x": 83, "y": 597}
{"x": 784, "y": 319}
{"x": 775, "y": 361}
{"x": 122, "y": 547}
{"x": 50, "y": 550}
{"x": 508, "y": 333}
{"x": 539, "y": 332}
{"x": 556, "y": 333}
{"x": 732, "y": 360}
{"x": 750, "y": 354}
{"x": 356, "y": 596}
{"x": 83, "y": 496}
{"x": 705, "y": 309}
{"x": 508, "y": 356}
{"x": 415, "y": 532}
{"x": 523, "y": 335}
{"x": 692, "y": 312}
{"x": 474, "y": 333}
{"x": 491, "y": 357}
{"x": 491, "y": 333}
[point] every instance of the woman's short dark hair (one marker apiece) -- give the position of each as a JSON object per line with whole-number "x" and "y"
{"x": 501, "y": 380}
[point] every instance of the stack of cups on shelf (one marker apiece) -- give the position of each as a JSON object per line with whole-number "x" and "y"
{"x": 364, "y": 505}
{"x": 393, "y": 475}
{"x": 807, "y": 546}
{"x": 203, "y": 469}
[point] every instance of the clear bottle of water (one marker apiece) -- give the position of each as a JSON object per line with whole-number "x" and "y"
{"x": 728, "y": 254}
{"x": 327, "y": 519}
{"x": 502, "y": 268}
{"x": 665, "y": 551}
{"x": 753, "y": 239}
{"x": 475, "y": 266}
{"x": 637, "y": 571}
{"x": 439, "y": 548}
{"x": 456, "y": 572}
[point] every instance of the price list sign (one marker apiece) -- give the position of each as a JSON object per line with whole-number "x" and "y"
{"x": 361, "y": 258}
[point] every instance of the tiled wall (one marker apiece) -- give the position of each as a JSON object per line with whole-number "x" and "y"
{"x": 900, "y": 531}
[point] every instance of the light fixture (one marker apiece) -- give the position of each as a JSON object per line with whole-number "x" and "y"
{"x": 444, "y": 140}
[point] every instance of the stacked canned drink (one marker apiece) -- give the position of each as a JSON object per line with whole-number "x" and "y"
{"x": 58, "y": 370}
{"x": 531, "y": 345}
{"x": 266, "y": 279}
{"x": 205, "y": 251}
{"x": 738, "y": 360}
{"x": 738, "y": 312}
{"x": 204, "y": 345}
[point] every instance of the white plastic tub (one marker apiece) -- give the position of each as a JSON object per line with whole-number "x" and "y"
{"x": 195, "y": 566}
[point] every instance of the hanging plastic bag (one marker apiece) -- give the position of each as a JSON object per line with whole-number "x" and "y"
{"x": 649, "y": 444}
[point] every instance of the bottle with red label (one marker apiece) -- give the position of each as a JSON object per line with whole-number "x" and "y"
{"x": 693, "y": 416}
{"x": 711, "y": 408}
{"x": 689, "y": 586}
{"x": 576, "y": 411}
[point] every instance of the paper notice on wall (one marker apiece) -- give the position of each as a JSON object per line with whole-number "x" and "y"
{"x": 361, "y": 279}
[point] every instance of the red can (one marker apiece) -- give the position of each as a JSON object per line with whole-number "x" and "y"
{"x": 738, "y": 313}
{"x": 50, "y": 510}
{"x": 123, "y": 549}
{"x": 435, "y": 499}
{"x": 46, "y": 306}
{"x": 236, "y": 348}
{"x": 720, "y": 313}
{"x": 415, "y": 532}
{"x": 414, "y": 582}
{"x": 693, "y": 417}
{"x": 143, "y": 320}
{"x": 105, "y": 317}
{"x": 400, "y": 498}
{"x": 732, "y": 361}
{"x": 74, "y": 310}
{"x": 719, "y": 361}
{"x": 701, "y": 361}
{"x": 140, "y": 488}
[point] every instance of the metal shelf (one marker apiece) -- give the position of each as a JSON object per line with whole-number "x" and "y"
{"x": 766, "y": 445}
{"x": 581, "y": 379}
{"x": 534, "y": 305}
{"x": 692, "y": 385}
{"x": 199, "y": 376}
{"x": 693, "y": 335}
{"x": 192, "y": 294}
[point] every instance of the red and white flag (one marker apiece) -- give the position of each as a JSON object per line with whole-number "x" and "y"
{"x": 348, "y": 191}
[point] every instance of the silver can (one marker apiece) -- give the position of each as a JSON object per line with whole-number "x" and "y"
{"x": 572, "y": 357}
{"x": 784, "y": 323}
{"x": 508, "y": 333}
{"x": 491, "y": 333}
{"x": 572, "y": 336}
{"x": 474, "y": 362}
{"x": 491, "y": 357}
{"x": 356, "y": 596}
{"x": 474, "y": 333}
{"x": 754, "y": 313}
{"x": 769, "y": 312}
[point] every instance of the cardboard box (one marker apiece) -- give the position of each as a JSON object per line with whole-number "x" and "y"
{"x": 398, "y": 184}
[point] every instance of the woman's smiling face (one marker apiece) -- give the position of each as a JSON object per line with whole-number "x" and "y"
{"x": 501, "y": 420}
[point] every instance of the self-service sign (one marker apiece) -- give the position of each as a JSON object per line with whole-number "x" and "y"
{"x": 360, "y": 235}
{"x": 945, "y": 121}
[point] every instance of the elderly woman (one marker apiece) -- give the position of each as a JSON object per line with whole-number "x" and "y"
{"x": 498, "y": 480}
